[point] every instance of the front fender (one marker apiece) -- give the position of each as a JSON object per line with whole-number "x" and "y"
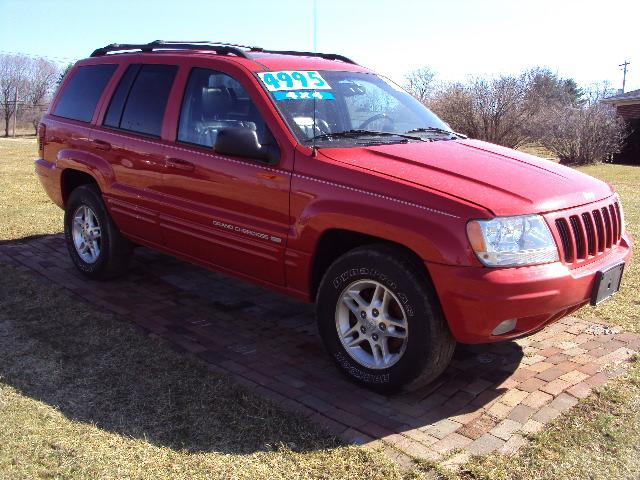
{"x": 430, "y": 238}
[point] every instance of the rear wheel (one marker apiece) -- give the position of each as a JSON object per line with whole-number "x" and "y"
{"x": 95, "y": 245}
{"x": 380, "y": 319}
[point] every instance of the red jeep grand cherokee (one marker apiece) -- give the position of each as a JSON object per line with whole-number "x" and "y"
{"x": 313, "y": 176}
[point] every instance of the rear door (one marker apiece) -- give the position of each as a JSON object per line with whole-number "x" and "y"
{"x": 130, "y": 139}
{"x": 68, "y": 126}
{"x": 226, "y": 211}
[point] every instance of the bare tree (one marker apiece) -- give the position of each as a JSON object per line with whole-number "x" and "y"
{"x": 585, "y": 133}
{"x": 495, "y": 110}
{"x": 421, "y": 83}
{"x": 25, "y": 88}
{"x": 41, "y": 77}
{"x": 536, "y": 106}
{"x": 503, "y": 110}
{"x": 13, "y": 70}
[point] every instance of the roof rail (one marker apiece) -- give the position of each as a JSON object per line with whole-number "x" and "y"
{"x": 327, "y": 56}
{"x": 221, "y": 49}
{"x": 218, "y": 47}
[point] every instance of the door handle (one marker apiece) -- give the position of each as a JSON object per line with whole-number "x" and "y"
{"x": 269, "y": 176}
{"x": 101, "y": 145}
{"x": 180, "y": 164}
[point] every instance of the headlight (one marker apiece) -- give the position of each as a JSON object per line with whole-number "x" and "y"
{"x": 511, "y": 241}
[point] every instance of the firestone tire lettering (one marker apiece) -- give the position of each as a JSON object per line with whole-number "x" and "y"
{"x": 355, "y": 372}
{"x": 374, "y": 275}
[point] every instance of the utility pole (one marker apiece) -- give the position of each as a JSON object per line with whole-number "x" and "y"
{"x": 15, "y": 111}
{"x": 624, "y": 75}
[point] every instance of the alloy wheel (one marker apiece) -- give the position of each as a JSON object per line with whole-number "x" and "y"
{"x": 371, "y": 324}
{"x": 86, "y": 233}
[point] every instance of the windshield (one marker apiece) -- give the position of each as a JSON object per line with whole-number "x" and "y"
{"x": 332, "y": 108}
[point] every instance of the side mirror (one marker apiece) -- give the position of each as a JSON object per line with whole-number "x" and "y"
{"x": 243, "y": 142}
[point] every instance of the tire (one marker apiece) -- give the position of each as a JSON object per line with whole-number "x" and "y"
{"x": 99, "y": 254}
{"x": 419, "y": 345}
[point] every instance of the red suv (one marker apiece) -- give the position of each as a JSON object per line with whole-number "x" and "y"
{"x": 313, "y": 176}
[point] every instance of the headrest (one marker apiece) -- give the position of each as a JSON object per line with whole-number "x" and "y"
{"x": 215, "y": 100}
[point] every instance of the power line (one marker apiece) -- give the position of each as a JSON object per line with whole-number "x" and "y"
{"x": 28, "y": 104}
{"x": 54, "y": 59}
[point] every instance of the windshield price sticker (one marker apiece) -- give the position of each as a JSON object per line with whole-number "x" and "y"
{"x": 303, "y": 95}
{"x": 293, "y": 80}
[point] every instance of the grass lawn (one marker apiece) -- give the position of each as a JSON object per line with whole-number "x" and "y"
{"x": 538, "y": 150}
{"x": 25, "y": 209}
{"x": 83, "y": 395}
{"x": 624, "y": 309}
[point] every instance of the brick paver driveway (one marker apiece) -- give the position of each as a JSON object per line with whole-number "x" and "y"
{"x": 489, "y": 397}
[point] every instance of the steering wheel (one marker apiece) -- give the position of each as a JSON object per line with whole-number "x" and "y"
{"x": 322, "y": 125}
{"x": 321, "y": 128}
{"x": 388, "y": 121}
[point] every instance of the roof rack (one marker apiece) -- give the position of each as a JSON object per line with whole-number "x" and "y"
{"x": 326, "y": 56}
{"x": 221, "y": 49}
{"x": 218, "y": 47}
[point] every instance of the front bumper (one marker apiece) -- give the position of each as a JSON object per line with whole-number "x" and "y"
{"x": 476, "y": 299}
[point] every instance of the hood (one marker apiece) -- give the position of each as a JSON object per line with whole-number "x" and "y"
{"x": 502, "y": 180}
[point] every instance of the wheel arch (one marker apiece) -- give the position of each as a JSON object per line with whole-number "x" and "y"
{"x": 71, "y": 179}
{"x": 335, "y": 242}
{"x": 80, "y": 168}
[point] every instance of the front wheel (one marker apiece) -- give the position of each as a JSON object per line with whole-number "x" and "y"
{"x": 380, "y": 319}
{"x": 95, "y": 245}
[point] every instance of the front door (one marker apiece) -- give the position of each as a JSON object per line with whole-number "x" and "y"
{"x": 229, "y": 212}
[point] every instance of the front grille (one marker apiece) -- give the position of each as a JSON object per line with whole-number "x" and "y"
{"x": 591, "y": 236}
{"x": 578, "y": 235}
{"x": 590, "y": 233}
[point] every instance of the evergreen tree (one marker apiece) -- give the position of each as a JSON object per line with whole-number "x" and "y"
{"x": 575, "y": 93}
{"x": 63, "y": 74}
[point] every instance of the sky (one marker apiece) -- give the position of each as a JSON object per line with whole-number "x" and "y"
{"x": 585, "y": 40}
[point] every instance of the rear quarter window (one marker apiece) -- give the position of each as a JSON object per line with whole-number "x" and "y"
{"x": 80, "y": 96}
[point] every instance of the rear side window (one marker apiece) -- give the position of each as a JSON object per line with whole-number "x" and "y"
{"x": 140, "y": 100}
{"x": 114, "y": 112}
{"x": 83, "y": 90}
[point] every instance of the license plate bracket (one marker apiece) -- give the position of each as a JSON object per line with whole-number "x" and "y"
{"x": 607, "y": 283}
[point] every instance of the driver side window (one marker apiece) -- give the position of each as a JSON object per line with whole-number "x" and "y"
{"x": 212, "y": 101}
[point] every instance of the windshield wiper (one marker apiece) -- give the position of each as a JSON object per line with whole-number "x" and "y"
{"x": 435, "y": 130}
{"x": 355, "y": 133}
